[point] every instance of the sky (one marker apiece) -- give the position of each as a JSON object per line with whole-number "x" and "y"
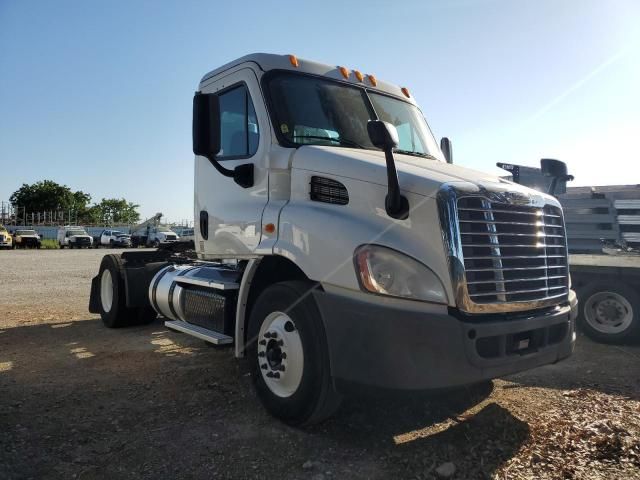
{"x": 97, "y": 95}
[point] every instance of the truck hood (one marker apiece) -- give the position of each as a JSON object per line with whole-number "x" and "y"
{"x": 417, "y": 175}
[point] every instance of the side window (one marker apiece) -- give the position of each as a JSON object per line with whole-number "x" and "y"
{"x": 238, "y": 124}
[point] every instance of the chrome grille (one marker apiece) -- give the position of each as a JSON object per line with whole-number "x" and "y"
{"x": 512, "y": 253}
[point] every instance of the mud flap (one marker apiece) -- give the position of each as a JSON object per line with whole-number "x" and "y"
{"x": 94, "y": 297}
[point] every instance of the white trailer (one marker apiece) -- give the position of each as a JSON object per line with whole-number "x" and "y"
{"x": 337, "y": 247}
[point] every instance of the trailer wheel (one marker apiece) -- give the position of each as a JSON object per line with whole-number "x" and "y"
{"x": 113, "y": 309}
{"x": 609, "y": 313}
{"x": 288, "y": 356}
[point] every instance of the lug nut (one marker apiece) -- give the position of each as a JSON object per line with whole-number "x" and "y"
{"x": 289, "y": 326}
{"x": 276, "y": 375}
{"x": 281, "y": 368}
{"x": 262, "y": 342}
{"x": 261, "y": 354}
{"x": 270, "y": 374}
{"x": 263, "y": 366}
{"x": 283, "y": 355}
{"x": 280, "y": 343}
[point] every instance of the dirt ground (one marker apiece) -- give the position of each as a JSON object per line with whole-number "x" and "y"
{"x": 81, "y": 401}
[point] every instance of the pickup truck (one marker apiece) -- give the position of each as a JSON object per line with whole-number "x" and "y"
{"x": 6, "y": 241}
{"x": 24, "y": 238}
{"x": 113, "y": 239}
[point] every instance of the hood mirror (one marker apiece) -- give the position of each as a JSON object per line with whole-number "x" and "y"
{"x": 384, "y": 136}
{"x": 445, "y": 146}
{"x": 555, "y": 169}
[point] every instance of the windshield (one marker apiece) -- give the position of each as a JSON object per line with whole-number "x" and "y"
{"x": 315, "y": 111}
{"x": 72, "y": 233}
{"x": 25, "y": 232}
{"x": 164, "y": 230}
{"x": 116, "y": 233}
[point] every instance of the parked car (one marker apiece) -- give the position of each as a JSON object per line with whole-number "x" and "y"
{"x": 25, "y": 238}
{"x": 113, "y": 239}
{"x": 5, "y": 238}
{"x": 70, "y": 236}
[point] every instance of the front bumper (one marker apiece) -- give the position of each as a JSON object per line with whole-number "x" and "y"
{"x": 81, "y": 242}
{"x": 392, "y": 343}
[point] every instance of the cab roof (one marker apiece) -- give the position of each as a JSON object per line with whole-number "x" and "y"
{"x": 270, "y": 61}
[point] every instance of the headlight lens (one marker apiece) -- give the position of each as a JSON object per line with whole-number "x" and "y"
{"x": 388, "y": 272}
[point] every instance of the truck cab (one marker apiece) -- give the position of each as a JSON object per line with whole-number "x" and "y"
{"x": 74, "y": 237}
{"x": 26, "y": 238}
{"x": 6, "y": 241}
{"x": 337, "y": 246}
{"x": 161, "y": 235}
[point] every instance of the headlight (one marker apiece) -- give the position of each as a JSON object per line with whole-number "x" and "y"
{"x": 388, "y": 272}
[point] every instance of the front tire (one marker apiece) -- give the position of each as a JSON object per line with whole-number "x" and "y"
{"x": 288, "y": 355}
{"x": 113, "y": 307}
{"x": 609, "y": 313}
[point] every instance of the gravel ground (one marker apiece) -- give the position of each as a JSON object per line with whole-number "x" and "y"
{"x": 80, "y": 401}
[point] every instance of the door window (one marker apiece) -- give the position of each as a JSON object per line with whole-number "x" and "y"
{"x": 238, "y": 124}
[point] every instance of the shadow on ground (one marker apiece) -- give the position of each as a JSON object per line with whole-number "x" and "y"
{"x": 610, "y": 369}
{"x": 82, "y": 401}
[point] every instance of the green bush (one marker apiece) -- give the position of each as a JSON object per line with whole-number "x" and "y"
{"x": 49, "y": 244}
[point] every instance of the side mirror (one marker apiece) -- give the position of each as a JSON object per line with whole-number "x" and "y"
{"x": 445, "y": 146}
{"x": 206, "y": 137}
{"x": 383, "y": 135}
{"x": 206, "y": 124}
{"x": 553, "y": 168}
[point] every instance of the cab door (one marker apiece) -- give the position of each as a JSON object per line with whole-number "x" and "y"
{"x": 228, "y": 216}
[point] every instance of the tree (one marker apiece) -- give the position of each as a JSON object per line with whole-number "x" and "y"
{"x": 48, "y": 195}
{"x": 112, "y": 211}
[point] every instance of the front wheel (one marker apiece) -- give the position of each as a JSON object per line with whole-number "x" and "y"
{"x": 288, "y": 355}
{"x": 609, "y": 313}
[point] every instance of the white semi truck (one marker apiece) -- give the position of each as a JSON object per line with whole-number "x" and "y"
{"x": 337, "y": 246}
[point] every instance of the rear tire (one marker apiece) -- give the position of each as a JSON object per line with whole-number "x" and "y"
{"x": 113, "y": 307}
{"x": 609, "y": 313}
{"x": 303, "y": 392}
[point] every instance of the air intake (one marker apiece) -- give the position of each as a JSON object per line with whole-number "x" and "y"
{"x": 328, "y": 191}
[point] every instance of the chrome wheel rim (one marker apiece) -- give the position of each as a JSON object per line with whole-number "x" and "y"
{"x": 280, "y": 354}
{"x": 106, "y": 290}
{"x": 608, "y": 312}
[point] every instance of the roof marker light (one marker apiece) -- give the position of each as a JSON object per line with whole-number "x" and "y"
{"x": 405, "y": 90}
{"x": 344, "y": 71}
{"x": 372, "y": 80}
{"x": 294, "y": 60}
{"x": 358, "y": 75}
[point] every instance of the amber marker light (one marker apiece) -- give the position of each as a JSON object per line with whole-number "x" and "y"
{"x": 405, "y": 90}
{"x": 344, "y": 71}
{"x": 358, "y": 75}
{"x": 372, "y": 80}
{"x": 294, "y": 61}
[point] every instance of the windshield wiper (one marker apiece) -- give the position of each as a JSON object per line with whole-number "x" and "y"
{"x": 340, "y": 140}
{"x": 415, "y": 154}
